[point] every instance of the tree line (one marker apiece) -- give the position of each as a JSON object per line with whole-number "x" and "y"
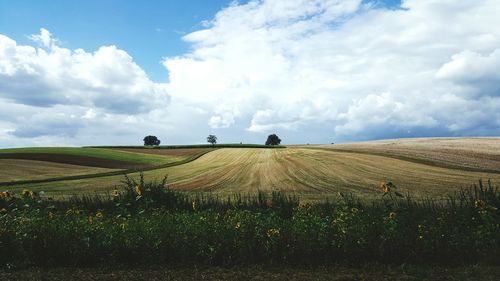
{"x": 150, "y": 140}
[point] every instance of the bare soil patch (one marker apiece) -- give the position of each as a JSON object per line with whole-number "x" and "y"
{"x": 74, "y": 160}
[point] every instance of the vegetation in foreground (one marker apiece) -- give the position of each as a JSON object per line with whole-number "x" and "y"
{"x": 147, "y": 223}
{"x": 370, "y": 272}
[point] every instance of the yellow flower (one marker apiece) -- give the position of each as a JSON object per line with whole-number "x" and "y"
{"x": 194, "y": 205}
{"x": 33, "y": 195}
{"x": 115, "y": 193}
{"x": 25, "y": 193}
{"x": 238, "y": 226}
{"x": 138, "y": 190}
{"x": 99, "y": 214}
{"x": 384, "y": 187}
{"x": 392, "y": 215}
{"x": 273, "y": 232}
{"x": 5, "y": 195}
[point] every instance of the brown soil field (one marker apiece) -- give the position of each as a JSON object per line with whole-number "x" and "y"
{"x": 80, "y": 160}
{"x": 18, "y": 169}
{"x": 476, "y": 154}
{"x": 166, "y": 152}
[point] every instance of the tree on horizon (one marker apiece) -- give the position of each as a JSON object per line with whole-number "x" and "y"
{"x": 212, "y": 139}
{"x": 273, "y": 140}
{"x": 151, "y": 141}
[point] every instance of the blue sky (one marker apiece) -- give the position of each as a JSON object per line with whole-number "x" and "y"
{"x": 147, "y": 30}
{"x": 315, "y": 71}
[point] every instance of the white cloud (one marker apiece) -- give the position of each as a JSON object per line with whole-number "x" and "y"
{"x": 107, "y": 79}
{"x": 328, "y": 70}
{"x": 358, "y": 68}
{"x": 54, "y": 93}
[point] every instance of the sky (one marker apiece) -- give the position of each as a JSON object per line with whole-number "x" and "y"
{"x": 92, "y": 72}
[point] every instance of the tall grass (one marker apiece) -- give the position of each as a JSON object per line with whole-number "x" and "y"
{"x": 146, "y": 222}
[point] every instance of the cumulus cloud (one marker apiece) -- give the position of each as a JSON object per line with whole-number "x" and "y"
{"x": 317, "y": 70}
{"x": 59, "y": 93}
{"x": 107, "y": 78}
{"x": 360, "y": 69}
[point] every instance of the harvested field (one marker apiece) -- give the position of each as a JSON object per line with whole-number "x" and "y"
{"x": 424, "y": 167}
{"x": 17, "y": 169}
{"x": 314, "y": 171}
{"x": 475, "y": 154}
{"x": 309, "y": 172}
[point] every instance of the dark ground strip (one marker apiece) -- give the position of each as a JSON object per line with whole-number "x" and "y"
{"x": 267, "y": 273}
{"x": 79, "y": 160}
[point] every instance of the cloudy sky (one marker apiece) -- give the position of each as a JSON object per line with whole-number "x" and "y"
{"x": 312, "y": 71}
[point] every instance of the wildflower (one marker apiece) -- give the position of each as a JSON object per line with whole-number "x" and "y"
{"x": 122, "y": 226}
{"x": 302, "y": 205}
{"x": 273, "y": 232}
{"x": 354, "y": 210}
{"x": 99, "y": 214}
{"x": 138, "y": 190}
{"x": 384, "y": 187}
{"x": 194, "y": 205}
{"x": 33, "y": 195}
{"x": 25, "y": 193}
{"x": 5, "y": 195}
{"x": 238, "y": 226}
{"x": 479, "y": 204}
{"x": 392, "y": 215}
{"x": 115, "y": 193}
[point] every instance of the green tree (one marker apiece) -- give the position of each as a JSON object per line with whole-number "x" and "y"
{"x": 273, "y": 140}
{"x": 151, "y": 140}
{"x": 212, "y": 139}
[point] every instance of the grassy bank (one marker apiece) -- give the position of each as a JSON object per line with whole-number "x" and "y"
{"x": 145, "y": 223}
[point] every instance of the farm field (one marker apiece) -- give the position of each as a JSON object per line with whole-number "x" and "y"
{"x": 316, "y": 171}
{"x": 19, "y": 169}
{"x": 476, "y": 154}
{"x": 87, "y": 156}
{"x": 55, "y": 162}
